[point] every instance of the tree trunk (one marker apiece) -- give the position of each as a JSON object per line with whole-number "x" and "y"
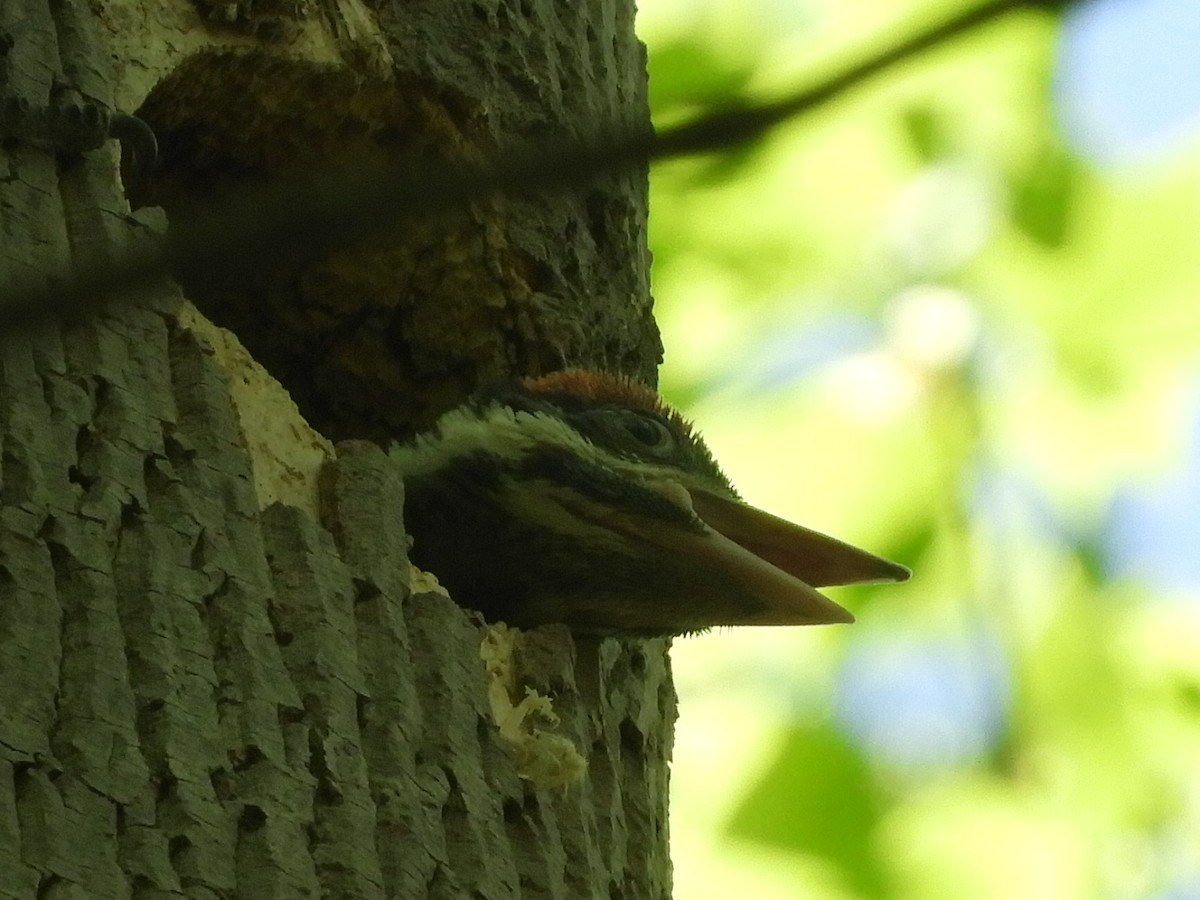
{"x": 218, "y": 677}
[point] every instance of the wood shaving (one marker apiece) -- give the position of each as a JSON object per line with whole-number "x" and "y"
{"x": 546, "y": 759}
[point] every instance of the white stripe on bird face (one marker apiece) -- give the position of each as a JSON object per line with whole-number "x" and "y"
{"x": 561, "y": 510}
{"x": 496, "y": 429}
{"x": 511, "y": 434}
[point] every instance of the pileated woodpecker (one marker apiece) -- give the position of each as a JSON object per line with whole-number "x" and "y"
{"x": 582, "y": 498}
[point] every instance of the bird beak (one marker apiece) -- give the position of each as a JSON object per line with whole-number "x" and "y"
{"x": 779, "y": 562}
{"x": 814, "y": 558}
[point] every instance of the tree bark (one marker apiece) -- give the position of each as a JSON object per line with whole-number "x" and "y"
{"x": 218, "y": 677}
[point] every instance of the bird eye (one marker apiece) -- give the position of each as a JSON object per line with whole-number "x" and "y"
{"x": 650, "y": 433}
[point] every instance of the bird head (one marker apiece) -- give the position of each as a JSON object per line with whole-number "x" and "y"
{"x": 583, "y": 498}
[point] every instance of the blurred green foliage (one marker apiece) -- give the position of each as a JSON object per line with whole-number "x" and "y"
{"x": 916, "y": 319}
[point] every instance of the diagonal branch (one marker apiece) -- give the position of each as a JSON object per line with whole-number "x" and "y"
{"x": 335, "y": 208}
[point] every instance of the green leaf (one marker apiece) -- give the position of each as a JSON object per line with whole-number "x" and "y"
{"x": 925, "y": 132}
{"x": 1043, "y": 197}
{"x": 687, "y": 73}
{"x": 818, "y": 798}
